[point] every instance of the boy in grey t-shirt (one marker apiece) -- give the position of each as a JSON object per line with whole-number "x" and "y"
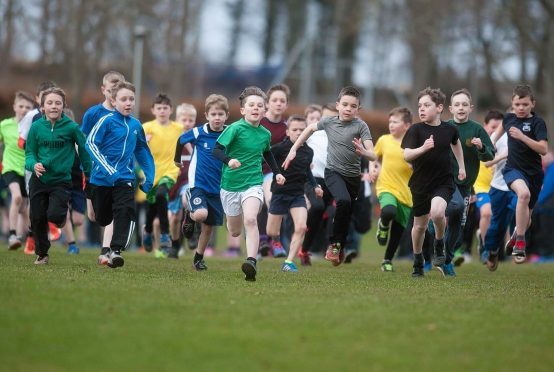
{"x": 349, "y": 138}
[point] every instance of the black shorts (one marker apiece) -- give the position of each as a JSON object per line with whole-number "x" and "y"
{"x": 422, "y": 201}
{"x": 200, "y": 199}
{"x": 12, "y": 177}
{"x": 282, "y": 203}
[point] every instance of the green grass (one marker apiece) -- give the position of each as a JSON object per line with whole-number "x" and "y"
{"x": 161, "y": 315}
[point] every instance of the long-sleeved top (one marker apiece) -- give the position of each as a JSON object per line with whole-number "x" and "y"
{"x": 53, "y": 145}
{"x": 299, "y": 171}
{"x": 472, "y": 157}
{"x": 113, "y": 143}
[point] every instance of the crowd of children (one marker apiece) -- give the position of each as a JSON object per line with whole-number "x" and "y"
{"x": 290, "y": 187}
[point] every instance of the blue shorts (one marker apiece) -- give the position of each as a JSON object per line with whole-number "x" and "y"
{"x": 533, "y": 183}
{"x": 175, "y": 205}
{"x": 200, "y": 199}
{"x": 482, "y": 199}
{"x": 282, "y": 203}
{"x": 78, "y": 200}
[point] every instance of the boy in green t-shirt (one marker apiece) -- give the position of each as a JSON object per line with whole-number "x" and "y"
{"x": 13, "y": 170}
{"x": 241, "y": 147}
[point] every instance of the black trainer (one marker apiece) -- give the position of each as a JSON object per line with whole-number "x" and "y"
{"x": 115, "y": 260}
{"x": 173, "y": 253}
{"x": 439, "y": 258}
{"x": 418, "y": 272}
{"x": 200, "y": 265}
{"x": 249, "y": 270}
{"x": 188, "y": 226}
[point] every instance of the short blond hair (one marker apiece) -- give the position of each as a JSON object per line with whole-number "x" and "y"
{"x": 218, "y": 101}
{"x": 111, "y": 77}
{"x": 185, "y": 108}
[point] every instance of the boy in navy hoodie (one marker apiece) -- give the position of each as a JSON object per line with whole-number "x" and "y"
{"x": 113, "y": 143}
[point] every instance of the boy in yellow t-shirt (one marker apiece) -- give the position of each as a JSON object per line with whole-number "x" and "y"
{"x": 161, "y": 134}
{"x": 483, "y": 183}
{"x": 392, "y": 174}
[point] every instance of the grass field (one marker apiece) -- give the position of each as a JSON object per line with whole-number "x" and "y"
{"x": 161, "y": 315}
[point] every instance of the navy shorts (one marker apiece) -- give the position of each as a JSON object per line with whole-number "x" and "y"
{"x": 533, "y": 183}
{"x": 282, "y": 203}
{"x": 422, "y": 201}
{"x": 200, "y": 199}
{"x": 78, "y": 200}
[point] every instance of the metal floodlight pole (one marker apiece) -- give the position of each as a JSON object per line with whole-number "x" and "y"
{"x": 139, "y": 33}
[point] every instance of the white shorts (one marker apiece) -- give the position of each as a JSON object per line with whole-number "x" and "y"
{"x": 232, "y": 200}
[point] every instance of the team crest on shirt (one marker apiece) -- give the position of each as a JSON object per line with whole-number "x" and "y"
{"x": 526, "y": 127}
{"x": 196, "y": 201}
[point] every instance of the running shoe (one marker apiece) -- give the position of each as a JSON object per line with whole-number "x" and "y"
{"x": 278, "y": 250}
{"x": 518, "y": 252}
{"x": 289, "y": 267}
{"x": 438, "y": 258}
{"x": 333, "y": 252}
{"x": 41, "y": 260}
{"x": 305, "y": 259}
{"x": 383, "y": 233}
{"x": 115, "y": 260}
{"x": 386, "y": 266}
{"x": 200, "y": 265}
{"x": 14, "y": 242}
{"x": 146, "y": 240}
{"x": 72, "y": 249}
{"x": 29, "y": 245}
{"x": 188, "y": 226}
{"x": 249, "y": 270}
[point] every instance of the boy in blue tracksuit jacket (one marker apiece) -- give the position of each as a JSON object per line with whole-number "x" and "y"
{"x": 113, "y": 144}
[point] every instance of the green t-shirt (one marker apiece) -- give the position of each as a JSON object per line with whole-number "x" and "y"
{"x": 14, "y": 157}
{"x": 246, "y": 143}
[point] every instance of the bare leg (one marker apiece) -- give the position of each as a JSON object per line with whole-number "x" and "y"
{"x": 250, "y": 209}
{"x": 299, "y": 217}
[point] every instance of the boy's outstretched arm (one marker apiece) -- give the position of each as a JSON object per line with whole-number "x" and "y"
{"x": 495, "y": 136}
{"x": 459, "y": 155}
{"x": 412, "y": 154}
{"x": 146, "y": 161}
{"x": 306, "y": 133}
{"x": 364, "y": 149}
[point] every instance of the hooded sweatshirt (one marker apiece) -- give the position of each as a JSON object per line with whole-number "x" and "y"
{"x": 54, "y": 147}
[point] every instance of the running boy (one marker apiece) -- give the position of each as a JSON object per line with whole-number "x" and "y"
{"x": 161, "y": 135}
{"x": 427, "y": 147}
{"x": 91, "y": 117}
{"x": 349, "y": 138}
{"x": 241, "y": 147}
{"x": 273, "y": 120}
{"x": 13, "y": 169}
{"x": 527, "y": 141}
{"x": 289, "y": 198}
{"x": 185, "y": 114}
{"x": 392, "y": 175}
{"x": 49, "y": 154}
{"x": 114, "y": 141}
{"x": 203, "y": 201}
{"x": 476, "y": 147}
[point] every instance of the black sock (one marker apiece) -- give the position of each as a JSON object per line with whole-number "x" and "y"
{"x": 12, "y": 232}
{"x": 198, "y": 257}
{"x": 418, "y": 259}
{"x": 176, "y": 244}
{"x": 29, "y": 233}
{"x": 72, "y": 242}
{"x": 252, "y": 259}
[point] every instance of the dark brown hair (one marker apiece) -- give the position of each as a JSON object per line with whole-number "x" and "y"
{"x": 460, "y": 91}
{"x": 53, "y": 90}
{"x": 279, "y": 87}
{"x": 494, "y": 114}
{"x": 349, "y": 91}
{"x": 251, "y": 91}
{"x": 435, "y": 94}
{"x": 162, "y": 99}
{"x": 522, "y": 91}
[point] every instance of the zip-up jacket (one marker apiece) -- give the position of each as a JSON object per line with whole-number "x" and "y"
{"x": 54, "y": 147}
{"x": 112, "y": 144}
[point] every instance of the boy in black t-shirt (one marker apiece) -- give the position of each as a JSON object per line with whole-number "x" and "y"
{"x": 527, "y": 141}
{"x": 290, "y": 196}
{"x": 427, "y": 146}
